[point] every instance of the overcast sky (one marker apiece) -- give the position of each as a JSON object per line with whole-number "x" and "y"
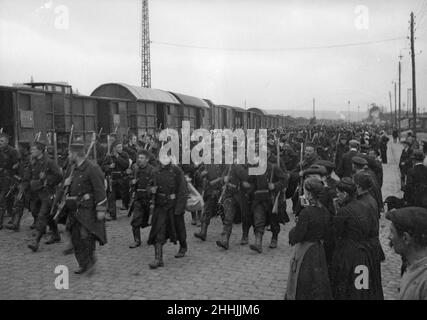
{"x": 100, "y": 44}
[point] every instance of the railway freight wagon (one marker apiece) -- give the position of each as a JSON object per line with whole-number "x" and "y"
{"x": 46, "y": 108}
{"x": 136, "y": 109}
{"x": 195, "y": 110}
{"x": 257, "y": 118}
{"x": 240, "y": 118}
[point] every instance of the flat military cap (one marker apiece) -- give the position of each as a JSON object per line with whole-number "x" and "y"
{"x": 76, "y": 147}
{"x": 315, "y": 169}
{"x": 360, "y": 161}
{"x": 410, "y": 219}
{"x": 354, "y": 142}
{"x": 417, "y": 155}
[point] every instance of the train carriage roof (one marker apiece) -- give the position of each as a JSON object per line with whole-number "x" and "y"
{"x": 191, "y": 101}
{"x": 259, "y": 111}
{"x": 126, "y": 91}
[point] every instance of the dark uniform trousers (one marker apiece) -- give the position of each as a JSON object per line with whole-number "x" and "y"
{"x": 167, "y": 225}
{"x": 232, "y": 203}
{"x": 5, "y": 183}
{"x": 120, "y": 185}
{"x": 141, "y": 213}
{"x": 40, "y": 205}
{"x": 211, "y": 207}
{"x": 84, "y": 242}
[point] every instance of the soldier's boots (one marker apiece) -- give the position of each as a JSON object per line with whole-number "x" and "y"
{"x": 257, "y": 246}
{"x": 54, "y": 238}
{"x": 224, "y": 242}
{"x": 16, "y": 220}
{"x": 34, "y": 246}
{"x": 182, "y": 250}
{"x": 158, "y": 257}
{"x": 273, "y": 243}
{"x": 203, "y": 232}
{"x": 137, "y": 238}
{"x": 193, "y": 218}
{"x": 244, "y": 241}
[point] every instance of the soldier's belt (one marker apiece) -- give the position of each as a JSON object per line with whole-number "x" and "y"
{"x": 84, "y": 197}
{"x": 264, "y": 191}
{"x": 141, "y": 190}
{"x": 171, "y": 196}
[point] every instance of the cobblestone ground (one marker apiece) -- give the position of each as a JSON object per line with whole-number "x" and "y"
{"x": 207, "y": 272}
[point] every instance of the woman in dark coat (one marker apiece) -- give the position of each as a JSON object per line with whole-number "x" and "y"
{"x": 308, "y": 275}
{"x": 354, "y": 269}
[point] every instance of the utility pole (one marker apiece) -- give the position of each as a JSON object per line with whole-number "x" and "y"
{"x": 391, "y": 111}
{"x": 314, "y": 108}
{"x": 348, "y": 111}
{"x": 358, "y": 109}
{"x": 414, "y": 91}
{"x": 395, "y": 105}
{"x": 400, "y": 92}
{"x": 145, "y": 48}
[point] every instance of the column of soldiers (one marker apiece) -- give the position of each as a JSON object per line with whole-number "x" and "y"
{"x": 154, "y": 191}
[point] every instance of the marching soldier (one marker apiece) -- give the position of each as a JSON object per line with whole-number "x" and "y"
{"x": 8, "y": 164}
{"x": 235, "y": 181}
{"x": 24, "y": 172}
{"x": 168, "y": 218}
{"x": 266, "y": 187}
{"x": 45, "y": 176}
{"x": 86, "y": 207}
{"x": 115, "y": 165}
{"x": 131, "y": 149}
{"x": 212, "y": 176}
{"x": 142, "y": 183}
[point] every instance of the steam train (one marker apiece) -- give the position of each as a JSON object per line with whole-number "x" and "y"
{"x": 34, "y": 107}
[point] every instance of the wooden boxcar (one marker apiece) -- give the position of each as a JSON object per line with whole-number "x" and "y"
{"x": 240, "y": 118}
{"x": 136, "y": 109}
{"x": 46, "y": 107}
{"x": 195, "y": 110}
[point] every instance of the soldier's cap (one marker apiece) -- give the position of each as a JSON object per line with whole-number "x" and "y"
{"x": 409, "y": 219}
{"x": 354, "y": 142}
{"x": 316, "y": 169}
{"x": 327, "y": 164}
{"x": 4, "y": 135}
{"x": 77, "y": 147}
{"x": 359, "y": 161}
{"x": 418, "y": 155}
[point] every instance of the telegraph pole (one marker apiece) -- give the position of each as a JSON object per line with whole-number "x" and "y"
{"x": 391, "y": 111}
{"x": 400, "y": 101}
{"x": 348, "y": 111}
{"x": 395, "y": 105}
{"x": 314, "y": 108}
{"x": 414, "y": 92}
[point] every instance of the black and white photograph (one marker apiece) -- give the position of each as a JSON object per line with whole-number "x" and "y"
{"x": 213, "y": 154}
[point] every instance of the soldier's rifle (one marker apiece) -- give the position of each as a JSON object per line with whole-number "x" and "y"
{"x": 132, "y": 191}
{"x": 108, "y": 173}
{"x": 13, "y": 187}
{"x": 336, "y": 146}
{"x": 301, "y": 173}
{"x": 224, "y": 187}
